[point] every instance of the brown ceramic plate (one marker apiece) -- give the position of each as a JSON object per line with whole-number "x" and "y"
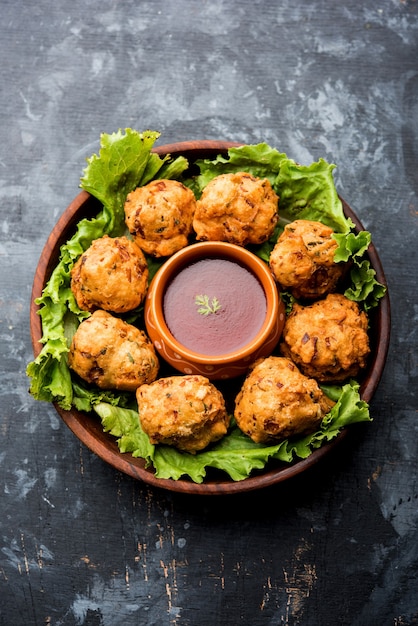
{"x": 88, "y": 428}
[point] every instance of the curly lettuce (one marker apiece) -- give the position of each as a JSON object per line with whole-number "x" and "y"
{"x": 306, "y": 192}
{"x": 125, "y": 161}
{"x": 235, "y": 454}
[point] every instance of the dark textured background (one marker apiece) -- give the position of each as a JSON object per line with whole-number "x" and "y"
{"x": 82, "y": 544}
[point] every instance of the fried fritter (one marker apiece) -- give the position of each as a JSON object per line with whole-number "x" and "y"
{"x": 160, "y": 215}
{"x": 187, "y": 412}
{"x": 328, "y": 339}
{"x": 302, "y": 260}
{"x": 112, "y": 354}
{"x": 277, "y": 401}
{"x": 112, "y": 274}
{"x": 238, "y": 208}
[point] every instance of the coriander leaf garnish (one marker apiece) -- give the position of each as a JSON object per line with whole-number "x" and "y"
{"x": 206, "y": 307}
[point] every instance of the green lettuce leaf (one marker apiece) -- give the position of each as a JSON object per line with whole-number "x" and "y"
{"x": 124, "y": 425}
{"x": 125, "y": 161}
{"x": 308, "y": 192}
{"x": 259, "y": 160}
{"x": 86, "y": 396}
{"x": 305, "y": 192}
{"x": 235, "y": 454}
{"x": 351, "y": 245}
{"x": 364, "y": 286}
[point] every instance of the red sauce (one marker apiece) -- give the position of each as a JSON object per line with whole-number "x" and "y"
{"x": 240, "y": 296}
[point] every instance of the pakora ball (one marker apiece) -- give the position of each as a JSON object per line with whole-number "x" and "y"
{"x": 277, "y": 401}
{"x": 328, "y": 339}
{"x": 112, "y": 274}
{"x": 160, "y": 215}
{"x": 112, "y": 354}
{"x": 238, "y": 208}
{"x": 302, "y": 261}
{"x": 187, "y": 412}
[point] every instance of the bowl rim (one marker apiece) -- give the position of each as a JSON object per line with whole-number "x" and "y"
{"x": 88, "y": 429}
{"x": 198, "y": 251}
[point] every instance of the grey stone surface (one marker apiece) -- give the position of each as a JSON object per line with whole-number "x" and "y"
{"x": 84, "y": 545}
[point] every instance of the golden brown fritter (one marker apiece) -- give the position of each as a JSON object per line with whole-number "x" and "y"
{"x": 328, "y": 339}
{"x": 187, "y": 412}
{"x": 302, "y": 260}
{"x": 160, "y": 215}
{"x": 112, "y": 354}
{"x": 112, "y": 274}
{"x": 237, "y": 208}
{"x": 277, "y": 401}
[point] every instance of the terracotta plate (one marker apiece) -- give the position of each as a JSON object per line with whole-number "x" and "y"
{"x": 88, "y": 428}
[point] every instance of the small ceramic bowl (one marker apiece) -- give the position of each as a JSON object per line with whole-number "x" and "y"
{"x": 183, "y": 337}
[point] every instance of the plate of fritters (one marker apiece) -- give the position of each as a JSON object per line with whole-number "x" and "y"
{"x": 361, "y": 352}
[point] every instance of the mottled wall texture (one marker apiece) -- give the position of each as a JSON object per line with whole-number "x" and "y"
{"x": 80, "y": 543}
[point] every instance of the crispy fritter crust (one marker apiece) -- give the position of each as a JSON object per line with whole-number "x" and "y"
{"x": 160, "y": 215}
{"x": 187, "y": 412}
{"x": 277, "y": 401}
{"x": 302, "y": 260}
{"x": 112, "y": 274}
{"x": 112, "y": 354}
{"x": 328, "y": 339}
{"x": 238, "y": 208}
